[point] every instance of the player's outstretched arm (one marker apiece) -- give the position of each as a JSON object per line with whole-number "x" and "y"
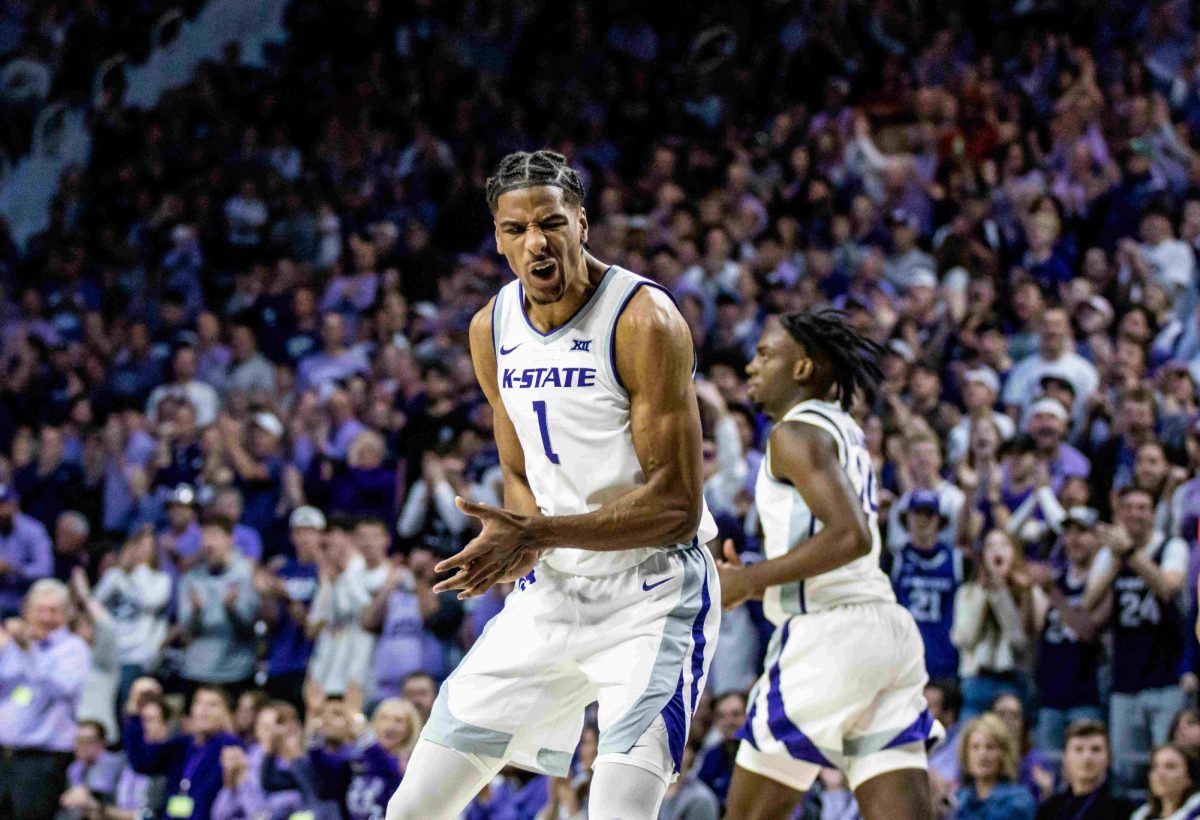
{"x": 654, "y": 361}
{"x": 806, "y": 456}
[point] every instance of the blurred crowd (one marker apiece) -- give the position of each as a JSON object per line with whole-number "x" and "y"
{"x": 236, "y": 402}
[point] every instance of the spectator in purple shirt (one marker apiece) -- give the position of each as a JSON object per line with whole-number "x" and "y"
{"x": 25, "y": 551}
{"x": 344, "y": 425}
{"x": 43, "y": 667}
{"x": 409, "y": 618}
{"x": 92, "y": 775}
{"x": 227, "y": 503}
{"x": 367, "y": 778}
{"x": 335, "y": 361}
{"x": 191, "y": 761}
{"x": 1048, "y": 424}
{"x": 179, "y": 544}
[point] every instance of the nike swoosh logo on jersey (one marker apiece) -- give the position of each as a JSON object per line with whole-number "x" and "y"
{"x": 647, "y": 587}
{"x": 505, "y": 351}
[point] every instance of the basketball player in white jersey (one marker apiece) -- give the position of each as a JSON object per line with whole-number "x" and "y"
{"x": 588, "y": 369}
{"x": 845, "y": 670}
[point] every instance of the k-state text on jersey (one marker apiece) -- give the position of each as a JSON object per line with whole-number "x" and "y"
{"x": 536, "y": 377}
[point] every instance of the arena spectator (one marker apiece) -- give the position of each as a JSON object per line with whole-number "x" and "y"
{"x": 411, "y": 620}
{"x": 988, "y": 757}
{"x": 981, "y": 389}
{"x": 217, "y": 609}
{"x": 137, "y": 793}
{"x": 716, "y": 761}
{"x": 993, "y": 626}
{"x": 287, "y": 590}
{"x": 92, "y": 775}
{"x": 1055, "y": 352}
{"x": 190, "y": 761}
{"x": 1174, "y": 786}
{"x": 227, "y": 503}
{"x": 1144, "y": 571}
{"x": 366, "y": 779}
{"x": 1087, "y": 792}
{"x": 51, "y": 484}
{"x": 25, "y": 551}
{"x": 922, "y": 468}
{"x": 1185, "y": 730}
{"x": 1069, "y": 651}
{"x": 688, "y": 798}
{"x": 71, "y": 531}
{"x": 420, "y": 689}
{"x": 342, "y": 648}
{"x": 43, "y": 668}
{"x": 926, "y": 575}
{"x": 93, "y": 623}
{"x": 186, "y": 389}
{"x": 136, "y": 594}
{"x": 1034, "y": 770}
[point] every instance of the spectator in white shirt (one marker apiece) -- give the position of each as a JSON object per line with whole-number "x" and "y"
{"x": 1057, "y": 354}
{"x": 981, "y": 388}
{"x": 186, "y": 387}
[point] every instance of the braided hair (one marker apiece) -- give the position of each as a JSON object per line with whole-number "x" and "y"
{"x": 853, "y": 359}
{"x": 524, "y": 169}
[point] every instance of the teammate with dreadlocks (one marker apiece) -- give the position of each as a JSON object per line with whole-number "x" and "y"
{"x": 588, "y": 369}
{"x": 845, "y": 670}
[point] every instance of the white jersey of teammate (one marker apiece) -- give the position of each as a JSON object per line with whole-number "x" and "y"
{"x": 845, "y": 674}
{"x": 788, "y": 522}
{"x": 571, "y": 413}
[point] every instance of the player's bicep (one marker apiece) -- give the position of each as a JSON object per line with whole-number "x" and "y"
{"x": 807, "y": 457}
{"x": 654, "y": 360}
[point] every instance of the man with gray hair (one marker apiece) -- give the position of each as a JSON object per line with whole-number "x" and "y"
{"x": 43, "y": 666}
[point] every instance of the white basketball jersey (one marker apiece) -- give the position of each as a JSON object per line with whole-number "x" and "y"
{"x": 788, "y": 522}
{"x": 571, "y": 413}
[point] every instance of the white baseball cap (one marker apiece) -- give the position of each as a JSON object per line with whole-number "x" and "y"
{"x": 1052, "y": 407}
{"x": 307, "y": 517}
{"x": 269, "y": 422}
{"x": 985, "y": 376}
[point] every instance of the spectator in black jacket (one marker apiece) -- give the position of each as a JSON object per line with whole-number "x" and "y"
{"x": 1087, "y": 794}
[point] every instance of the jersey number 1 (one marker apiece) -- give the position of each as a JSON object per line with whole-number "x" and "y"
{"x": 539, "y": 407}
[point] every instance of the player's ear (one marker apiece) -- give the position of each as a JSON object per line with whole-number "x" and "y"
{"x": 802, "y": 369}
{"x": 496, "y": 234}
{"x": 583, "y": 226}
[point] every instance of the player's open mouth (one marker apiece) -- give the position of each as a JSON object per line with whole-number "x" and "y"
{"x": 544, "y": 271}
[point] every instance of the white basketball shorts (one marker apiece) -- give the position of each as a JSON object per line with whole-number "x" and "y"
{"x": 842, "y": 688}
{"x": 638, "y": 641}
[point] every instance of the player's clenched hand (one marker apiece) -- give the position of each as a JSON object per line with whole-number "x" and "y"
{"x": 734, "y": 587}
{"x": 500, "y": 549}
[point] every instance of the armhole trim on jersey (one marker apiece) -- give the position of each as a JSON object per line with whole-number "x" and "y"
{"x": 612, "y": 332}
{"x": 828, "y": 425}
{"x": 495, "y": 325}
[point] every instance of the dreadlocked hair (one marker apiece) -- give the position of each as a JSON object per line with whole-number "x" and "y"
{"x": 853, "y": 359}
{"x": 527, "y": 170}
